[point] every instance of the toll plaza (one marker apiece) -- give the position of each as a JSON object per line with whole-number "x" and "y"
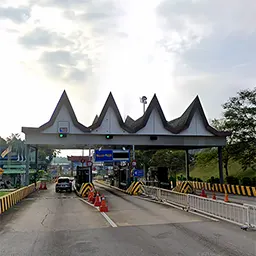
{"x": 109, "y": 131}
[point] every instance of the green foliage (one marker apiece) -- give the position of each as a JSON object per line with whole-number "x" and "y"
{"x": 240, "y": 118}
{"x": 206, "y": 156}
{"x": 232, "y": 180}
{"x": 174, "y": 160}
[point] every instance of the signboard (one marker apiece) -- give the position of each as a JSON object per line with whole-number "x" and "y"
{"x": 138, "y": 173}
{"x": 89, "y": 163}
{"x": 63, "y": 130}
{"x": 63, "y": 127}
{"x": 133, "y": 163}
{"x": 103, "y": 155}
{"x": 121, "y": 155}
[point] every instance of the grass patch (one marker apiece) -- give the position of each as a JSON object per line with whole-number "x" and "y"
{"x": 3, "y": 193}
{"x": 211, "y": 168}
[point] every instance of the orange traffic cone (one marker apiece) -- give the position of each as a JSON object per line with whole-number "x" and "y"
{"x": 214, "y": 196}
{"x": 91, "y": 195}
{"x": 226, "y": 198}
{"x": 97, "y": 200}
{"x": 103, "y": 206}
{"x": 203, "y": 194}
{"x": 44, "y": 187}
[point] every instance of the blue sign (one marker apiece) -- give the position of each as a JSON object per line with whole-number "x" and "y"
{"x": 138, "y": 173}
{"x": 103, "y": 156}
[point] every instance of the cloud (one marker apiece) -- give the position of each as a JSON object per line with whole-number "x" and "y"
{"x": 64, "y": 65}
{"x": 40, "y": 37}
{"x": 17, "y": 15}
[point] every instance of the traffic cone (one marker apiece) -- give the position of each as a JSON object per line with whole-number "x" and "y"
{"x": 226, "y": 198}
{"x": 41, "y": 186}
{"x": 91, "y": 195}
{"x": 203, "y": 194}
{"x": 103, "y": 206}
{"x": 97, "y": 200}
{"x": 44, "y": 187}
{"x": 214, "y": 196}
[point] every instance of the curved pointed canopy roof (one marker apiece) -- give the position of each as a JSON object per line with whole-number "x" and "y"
{"x": 130, "y": 125}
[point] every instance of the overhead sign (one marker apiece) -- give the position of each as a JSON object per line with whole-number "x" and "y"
{"x": 138, "y": 173}
{"x": 121, "y": 155}
{"x": 103, "y": 155}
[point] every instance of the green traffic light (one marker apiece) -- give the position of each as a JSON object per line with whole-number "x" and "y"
{"x": 108, "y": 137}
{"x": 62, "y": 135}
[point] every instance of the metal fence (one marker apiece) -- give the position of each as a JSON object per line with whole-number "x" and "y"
{"x": 238, "y": 214}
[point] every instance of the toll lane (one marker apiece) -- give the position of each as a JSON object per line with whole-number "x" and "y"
{"x": 176, "y": 232}
{"x": 126, "y": 210}
{"x": 39, "y": 218}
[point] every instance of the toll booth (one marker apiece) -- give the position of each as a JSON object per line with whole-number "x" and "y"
{"x": 83, "y": 175}
{"x": 159, "y": 177}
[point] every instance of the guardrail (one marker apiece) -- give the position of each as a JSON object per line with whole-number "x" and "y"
{"x": 7, "y": 201}
{"x": 238, "y": 214}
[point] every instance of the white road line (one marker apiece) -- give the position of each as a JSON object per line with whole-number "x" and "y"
{"x": 111, "y": 222}
{"x": 107, "y": 218}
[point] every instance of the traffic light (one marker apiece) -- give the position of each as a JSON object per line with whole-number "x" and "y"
{"x": 109, "y": 137}
{"x": 153, "y": 137}
{"x": 62, "y": 135}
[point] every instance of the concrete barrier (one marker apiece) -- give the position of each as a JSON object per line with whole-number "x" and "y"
{"x": 7, "y": 201}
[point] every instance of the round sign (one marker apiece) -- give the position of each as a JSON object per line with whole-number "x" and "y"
{"x": 134, "y": 163}
{"x": 89, "y": 163}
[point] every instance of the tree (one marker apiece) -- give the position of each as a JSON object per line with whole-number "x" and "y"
{"x": 227, "y": 152}
{"x": 144, "y": 158}
{"x": 174, "y": 160}
{"x": 240, "y": 119}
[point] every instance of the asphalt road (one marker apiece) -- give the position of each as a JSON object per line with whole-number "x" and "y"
{"x": 53, "y": 224}
{"x": 232, "y": 198}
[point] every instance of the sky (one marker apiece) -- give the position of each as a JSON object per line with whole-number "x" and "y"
{"x": 177, "y": 49}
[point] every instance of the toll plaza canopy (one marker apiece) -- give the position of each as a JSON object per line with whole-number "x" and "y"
{"x": 190, "y": 131}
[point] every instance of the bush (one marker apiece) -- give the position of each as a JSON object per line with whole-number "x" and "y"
{"x": 254, "y": 181}
{"x": 246, "y": 181}
{"x": 232, "y": 180}
{"x": 213, "y": 180}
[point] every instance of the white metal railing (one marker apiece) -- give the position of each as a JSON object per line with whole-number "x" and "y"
{"x": 235, "y": 213}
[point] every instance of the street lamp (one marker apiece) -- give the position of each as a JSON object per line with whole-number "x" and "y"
{"x": 143, "y": 100}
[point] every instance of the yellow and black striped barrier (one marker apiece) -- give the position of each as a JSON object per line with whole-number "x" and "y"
{"x": 7, "y": 201}
{"x": 85, "y": 189}
{"x": 135, "y": 188}
{"x": 185, "y": 187}
{"x": 223, "y": 188}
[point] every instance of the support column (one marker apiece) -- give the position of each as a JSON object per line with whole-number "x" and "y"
{"x": 27, "y": 150}
{"x": 187, "y": 164}
{"x": 220, "y": 165}
{"x": 36, "y": 164}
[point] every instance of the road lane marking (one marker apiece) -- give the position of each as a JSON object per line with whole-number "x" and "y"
{"x": 111, "y": 222}
{"x": 107, "y": 218}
